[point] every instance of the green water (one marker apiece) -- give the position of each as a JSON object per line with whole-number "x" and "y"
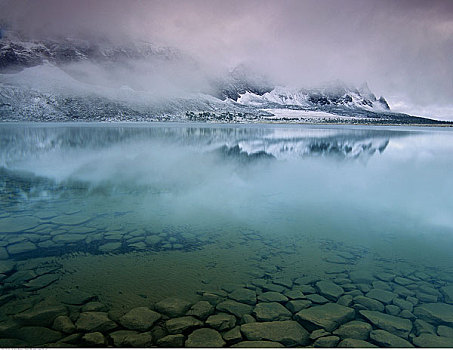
{"x": 125, "y": 215}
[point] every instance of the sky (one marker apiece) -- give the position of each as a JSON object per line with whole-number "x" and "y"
{"x": 402, "y": 48}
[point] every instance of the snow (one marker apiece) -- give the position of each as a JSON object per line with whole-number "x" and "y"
{"x": 302, "y": 114}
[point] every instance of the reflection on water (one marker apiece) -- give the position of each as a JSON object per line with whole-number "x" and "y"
{"x": 312, "y": 226}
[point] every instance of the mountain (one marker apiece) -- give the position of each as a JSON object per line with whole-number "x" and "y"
{"x": 71, "y": 79}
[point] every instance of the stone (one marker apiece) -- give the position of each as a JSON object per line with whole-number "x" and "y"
{"x": 447, "y": 292}
{"x": 172, "y": 341}
{"x": 426, "y": 340}
{"x": 119, "y": 336}
{"x": 345, "y": 300}
{"x": 43, "y": 316}
{"x": 288, "y": 333}
{"x": 426, "y": 298}
{"x": 272, "y": 297}
{"x": 412, "y": 300}
{"x": 370, "y": 304}
{"x": 294, "y": 294}
{"x": 318, "y": 334}
{"x": 328, "y": 316}
{"x": 402, "y": 291}
{"x": 94, "y": 339}
{"x": 438, "y": 313}
{"x": 361, "y": 276}
{"x": 355, "y": 343}
{"x": 428, "y": 289}
{"x": 173, "y": 307}
{"x": 307, "y": 289}
{"x": 354, "y": 330}
{"x": 423, "y": 327}
{"x": 221, "y": 322}
{"x": 285, "y": 282}
{"x": 7, "y": 266}
{"x": 326, "y": 342}
{"x": 93, "y": 306}
{"x": 407, "y": 314}
{"x": 41, "y": 282}
{"x": 94, "y": 322}
{"x": 381, "y": 285}
{"x": 296, "y": 305}
{"x": 181, "y": 324}
{"x": 235, "y": 308}
{"x": 317, "y": 299}
{"x": 110, "y": 247}
{"x": 271, "y": 312}
{"x": 396, "y": 325}
{"x": 22, "y": 247}
{"x": 392, "y": 310}
{"x": 365, "y": 288}
{"x": 384, "y": 296}
{"x": 68, "y": 238}
{"x": 18, "y": 224}
{"x": 247, "y": 319}
{"x": 63, "y": 324}
{"x": 34, "y": 335}
{"x": 329, "y": 290}
{"x": 76, "y": 297}
{"x": 233, "y": 335}
{"x": 257, "y": 344}
{"x": 140, "y": 340}
{"x": 205, "y": 338}
{"x": 403, "y": 304}
{"x": 243, "y": 295}
{"x": 201, "y": 310}
{"x": 212, "y": 298}
{"x": 388, "y": 340}
{"x": 3, "y": 254}
{"x": 402, "y": 281}
{"x": 384, "y": 276}
{"x": 139, "y": 319}
{"x": 444, "y": 331}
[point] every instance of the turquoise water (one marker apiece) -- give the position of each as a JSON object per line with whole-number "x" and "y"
{"x": 110, "y": 217}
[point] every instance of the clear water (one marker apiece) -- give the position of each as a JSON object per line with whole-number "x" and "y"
{"x": 131, "y": 214}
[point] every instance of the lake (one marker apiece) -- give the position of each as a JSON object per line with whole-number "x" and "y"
{"x": 187, "y": 234}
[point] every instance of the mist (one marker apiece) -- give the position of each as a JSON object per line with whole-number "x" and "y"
{"x": 403, "y": 49}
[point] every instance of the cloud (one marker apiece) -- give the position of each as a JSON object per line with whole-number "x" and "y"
{"x": 402, "y": 48}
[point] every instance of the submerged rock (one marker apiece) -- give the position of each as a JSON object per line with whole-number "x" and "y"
{"x": 369, "y": 304}
{"x": 233, "y": 335}
{"x": 118, "y": 337}
{"x": 326, "y": 342}
{"x": 447, "y": 291}
{"x": 354, "y": 329}
{"x": 43, "y": 316}
{"x": 297, "y": 305}
{"x": 201, "y": 310}
{"x": 388, "y": 340}
{"x": 329, "y": 290}
{"x": 205, "y": 338}
{"x": 7, "y": 266}
{"x": 41, "y": 281}
{"x": 22, "y": 247}
{"x": 257, "y": 344}
{"x": 234, "y": 308}
{"x": 140, "y": 340}
{"x": 244, "y": 295}
{"x": 328, "y": 316}
{"x": 35, "y": 335}
{"x": 181, "y": 324}
{"x": 271, "y": 312}
{"x": 384, "y": 296}
{"x": 63, "y": 324}
{"x": 94, "y": 322}
{"x": 432, "y": 341}
{"x": 172, "y": 341}
{"x": 288, "y": 333}
{"x": 94, "y": 339}
{"x": 272, "y": 297}
{"x": 355, "y": 343}
{"x": 139, "y": 318}
{"x": 438, "y": 313}
{"x": 221, "y": 322}
{"x": 173, "y": 307}
{"x": 396, "y": 325}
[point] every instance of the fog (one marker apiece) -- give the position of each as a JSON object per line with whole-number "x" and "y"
{"x": 403, "y": 49}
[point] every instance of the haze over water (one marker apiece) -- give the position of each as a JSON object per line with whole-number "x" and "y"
{"x": 131, "y": 214}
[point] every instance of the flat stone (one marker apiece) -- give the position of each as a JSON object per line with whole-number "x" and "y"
{"x": 3, "y": 254}
{"x": 70, "y": 220}
{"x": 402, "y": 281}
{"x": 296, "y": 305}
{"x": 172, "y": 341}
{"x": 381, "y": 285}
{"x": 447, "y": 291}
{"x": 444, "y": 331}
{"x": 7, "y": 266}
{"x": 201, "y": 310}
{"x": 233, "y": 335}
{"x": 173, "y": 307}
{"x": 63, "y": 324}
{"x": 288, "y": 333}
{"x": 41, "y": 281}
{"x": 282, "y": 281}
{"x": 403, "y": 304}
{"x": 438, "y": 313}
{"x": 317, "y": 299}
{"x": 294, "y": 294}
{"x": 423, "y": 327}
{"x": 94, "y": 322}
{"x": 257, "y": 344}
{"x": 427, "y": 298}
{"x": 234, "y": 308}
{"x": 412, "y": 300}
{"x": 243, "y": 295}
{"x": 68, "y": 238}
{"x": 140, "y": 340}
{"x": 328, "y": 316}
{"x": 306, "y": 289}
{"x": 94, "y": 339}
{"x": 221, "y": 322}
{"x": 384, "y": 296}
{"x": 355, "y": 343}
{"x": 345, "y": 300}
{"x": 22, "y": 247}
{"x": 388, "y": 340}
{"x": 119, "y": 336}
{"x": 18, "y": 224}
{"x": 271, "y": 312}
{"x": 396, "y": 325}
{"x": 272, "y": 297}
{"x": 43, "y": 316}
{"x": 110, "y": 247}
{"x": 370, "y": 304}
{"x": 384, "y": 276}
{"x": 35, "y": 335}
{"x": 432, "y": 341}
{"x": 329, "y": 290}
{"x": 205, "y": 338}
{"x": 354, "y": 330}
{"x": 20, "y": 277}
{"x": 247, "y": 319}
{"x": 139, "y": 319}
{"x": 319, "y": 333}
{"x": 403, "y": 291}
{"x": 268, "y": 287}
{"x": 326, "y": 342}
{"x": 181, "y": 324}
{"x": 392, "y": 310}
{"x": 93, "y": 306}
{"x": 76, "y": 297}
{"x": 361, "y": 276}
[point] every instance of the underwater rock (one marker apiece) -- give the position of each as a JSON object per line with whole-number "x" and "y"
{"x": 297, "y": 305}
{"x": 93, "y": 306}
{"x": 329, "y": 290}
{"x": 68, "y": 238}
{"x": 3, "y": 254}
{"x": 173, "y": 307}
{"x": 94, "y": 339}
{"x": 345, "y": 300}
{"x": 271, "y": 312}
{"x": 392, "y": 310}
{"x": 36, "y": 335}
{"x": 403, "y": 304}
{"x": 438, "y": 313}
{"x": 221, "y": 322}
{"x": 41, "y": 282}
{"x": 318, "y": 334}
{"x": 43, "y": 316}
{"x": 205, "y": 338}
{"x": 294, "y": 294}
{"x": 288, "y": 333}
{"x": 317, "y": 299}
{"x": 447, "y": 291}
{"x": 172, "y": 341}
{"x": 444, "y": 331}
{"x": 201, "y": 310}
{"x": 381, "y": 295}
{"x": 272, "y": 297}
{"x": 76, "y": 297}
{"x": 396, "y": 325}
{"x": 118, "y": 337}
{"x": 432, "y": 341}
{"x": 326, "y": 342}
{"x": 94, "y": 322}
{"x": 7, "y": 266}
{"x": 257, "y": 344}
{"x": 110, "y": 247}
{"x": 235, "y": 308}
{"x": 369, "y": 304}
{"x": 354, "y": 329}
{"x": 140, "y": 319}
{"x": 361, "y": 276}
{"x": 181, "y": 324}
{"x": 63, "y": 324}
{"x": 233, "y": 335}
{"x": 243, "y": 295}
{"x": 355, "y": 343}
{"x": 22, "y": 247}
{"x": 328, "y": 316}
{"x": 388, "y": 340}
{"x": 140, "y": 340}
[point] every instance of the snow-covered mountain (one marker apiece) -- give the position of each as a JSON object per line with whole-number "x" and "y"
{"x": 69, "y": 79}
